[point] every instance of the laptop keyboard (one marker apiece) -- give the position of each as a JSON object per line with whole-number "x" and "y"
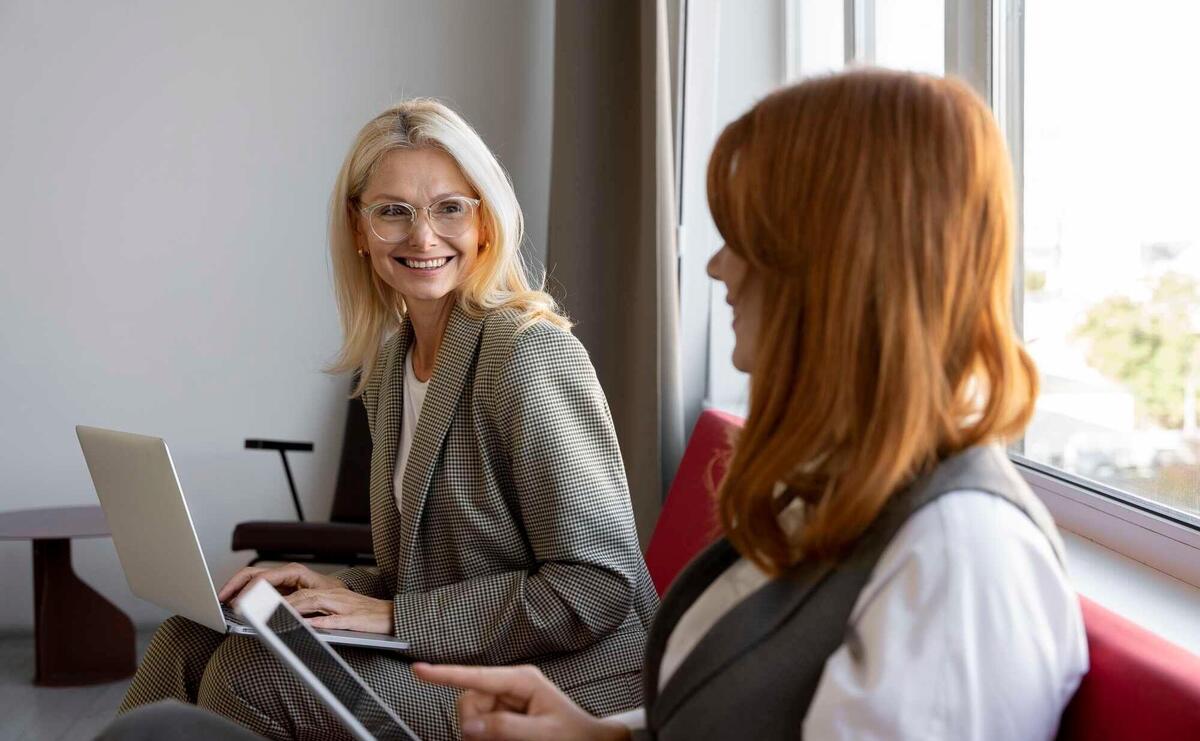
{"x": 232, "y": 617}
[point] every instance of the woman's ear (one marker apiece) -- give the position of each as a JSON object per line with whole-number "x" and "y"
{"x": 360, "y": 237}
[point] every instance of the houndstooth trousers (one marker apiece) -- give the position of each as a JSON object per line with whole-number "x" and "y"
{"x": 239, "y": 678}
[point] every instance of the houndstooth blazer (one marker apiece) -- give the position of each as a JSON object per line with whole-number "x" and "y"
{"x": 517, "y": 540}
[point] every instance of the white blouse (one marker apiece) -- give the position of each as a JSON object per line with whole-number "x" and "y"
{"x": 966, "y": 629}
{"x": 414, "y": 399}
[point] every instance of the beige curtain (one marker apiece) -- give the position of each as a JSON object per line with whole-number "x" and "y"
{"x": 611, "y": 251}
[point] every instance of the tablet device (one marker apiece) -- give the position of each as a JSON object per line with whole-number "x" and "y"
{"x": 311, "y": 659}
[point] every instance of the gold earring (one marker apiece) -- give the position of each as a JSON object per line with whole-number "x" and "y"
{"x": 362, "y": 253}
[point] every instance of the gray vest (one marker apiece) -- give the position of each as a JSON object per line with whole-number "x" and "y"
{"x": 753, "y": 675}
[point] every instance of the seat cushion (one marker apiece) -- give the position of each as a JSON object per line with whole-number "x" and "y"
{"x": 312, "y": 540}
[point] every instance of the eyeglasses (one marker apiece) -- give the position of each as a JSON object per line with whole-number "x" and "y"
{"x": 449, "y": 218}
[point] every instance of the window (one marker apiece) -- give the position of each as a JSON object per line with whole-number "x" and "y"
{"x": 1099, "y": 106}
{"x": 1111, "y": 287}
{"x": 910, "y": 34}
{"x": 815, "y": 38}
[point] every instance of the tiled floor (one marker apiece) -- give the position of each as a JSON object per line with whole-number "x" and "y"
{"x": 51, "y": 713}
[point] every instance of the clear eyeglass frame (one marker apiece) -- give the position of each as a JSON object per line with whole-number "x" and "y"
{"x": 436, "y": 223}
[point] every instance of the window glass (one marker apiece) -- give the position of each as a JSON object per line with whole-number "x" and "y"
{"x": 1111, "y": 190}
{"x": 818, "y": 36}
{"x": 911, "y": 35}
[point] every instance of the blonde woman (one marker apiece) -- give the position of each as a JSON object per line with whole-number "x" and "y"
{"x": 500, "y": 513}
{"x": 885, "y": 572}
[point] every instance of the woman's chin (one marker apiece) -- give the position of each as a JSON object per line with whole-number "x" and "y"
{"x": 422, "y": 292}
{"x": 740, "y": 362}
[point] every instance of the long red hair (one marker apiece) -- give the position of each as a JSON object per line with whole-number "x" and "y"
{"x": 876, "y": 208}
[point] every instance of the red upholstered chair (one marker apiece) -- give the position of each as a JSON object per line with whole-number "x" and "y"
{"x": 1139, "y": 685}
{"x": 688, "y": 521}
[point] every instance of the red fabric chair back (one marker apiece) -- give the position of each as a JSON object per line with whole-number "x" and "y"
{"x": 688, "y": 520}
{"x": 1139, "y": 685}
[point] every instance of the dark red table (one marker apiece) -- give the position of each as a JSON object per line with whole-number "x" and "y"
{"x": 79, "y": 636}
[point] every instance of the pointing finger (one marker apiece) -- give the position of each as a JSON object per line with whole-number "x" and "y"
{"x": 519, "y": 683}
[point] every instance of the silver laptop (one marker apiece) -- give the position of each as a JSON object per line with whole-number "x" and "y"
{"x": 156, "y": 542}
{"x": 329, "y": 677}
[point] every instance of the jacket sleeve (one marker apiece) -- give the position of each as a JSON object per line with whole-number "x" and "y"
{"x": 362, "y": 579}
{"x": 569, "y": 489}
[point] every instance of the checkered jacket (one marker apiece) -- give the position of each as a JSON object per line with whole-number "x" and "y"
{"x": 517, "y": 540}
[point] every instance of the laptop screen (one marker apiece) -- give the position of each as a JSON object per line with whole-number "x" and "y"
{"x": 341, "y": 683}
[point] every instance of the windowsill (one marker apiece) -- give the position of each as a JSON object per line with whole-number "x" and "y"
{"x": 1160, "y": 603}
{"x": 1140, "y": 565}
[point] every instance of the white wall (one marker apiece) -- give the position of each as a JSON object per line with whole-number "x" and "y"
{"x": 164, "y": 172}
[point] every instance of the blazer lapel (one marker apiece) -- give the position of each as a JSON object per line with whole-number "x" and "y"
{"x": 735, "y": 633}
{"x": 385, "y": 518}
{"x": 454, "y": 364}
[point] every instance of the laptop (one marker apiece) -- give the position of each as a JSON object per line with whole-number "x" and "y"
{"x": 156, "y": 542}
{"x": 311, "y": 659}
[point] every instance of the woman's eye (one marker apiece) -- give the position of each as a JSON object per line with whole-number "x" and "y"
{"x": 395, "y": 211}
{"x": 449, "y": 208}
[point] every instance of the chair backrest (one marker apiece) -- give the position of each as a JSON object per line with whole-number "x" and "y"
{"x": 688, "y": 520}
{"x": 1139, "y": 685}
{"x": 352, "y": 494}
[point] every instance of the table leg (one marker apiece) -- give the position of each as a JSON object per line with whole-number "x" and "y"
{"x": 79, "y": 636}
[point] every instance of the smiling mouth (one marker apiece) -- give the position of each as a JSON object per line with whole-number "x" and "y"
{"x": 423, "y": 264}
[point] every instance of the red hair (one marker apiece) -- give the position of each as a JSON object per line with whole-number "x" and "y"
{"x": 876, "y": 209}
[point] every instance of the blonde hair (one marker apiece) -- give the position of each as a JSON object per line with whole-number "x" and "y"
{"x": 370, "y": 310}
{"x": 876, "y": 209}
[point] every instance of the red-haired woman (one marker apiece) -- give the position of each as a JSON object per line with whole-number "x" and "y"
{"x": 884, "y": 571}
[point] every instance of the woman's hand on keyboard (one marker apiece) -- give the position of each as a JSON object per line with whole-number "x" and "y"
{"x": 341, "y": 609}
{"x": 286, "y": 579}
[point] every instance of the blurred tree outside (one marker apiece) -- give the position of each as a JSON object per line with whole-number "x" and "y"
{"x": 1152, "y": 347}
{"x": 1035, "y": 281}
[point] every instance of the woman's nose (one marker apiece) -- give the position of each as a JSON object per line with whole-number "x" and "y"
{"x": 714, "y": 264}
{"x": 422, "y": 235}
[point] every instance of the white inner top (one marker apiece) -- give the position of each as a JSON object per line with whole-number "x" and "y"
{"x": 414, "y": 399}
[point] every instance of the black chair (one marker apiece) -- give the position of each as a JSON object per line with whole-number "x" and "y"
{"x": 346, "y": 538}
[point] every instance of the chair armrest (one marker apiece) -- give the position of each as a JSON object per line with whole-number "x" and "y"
{"x": 280, "y": 445}
{"x": 283, "y": 446}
